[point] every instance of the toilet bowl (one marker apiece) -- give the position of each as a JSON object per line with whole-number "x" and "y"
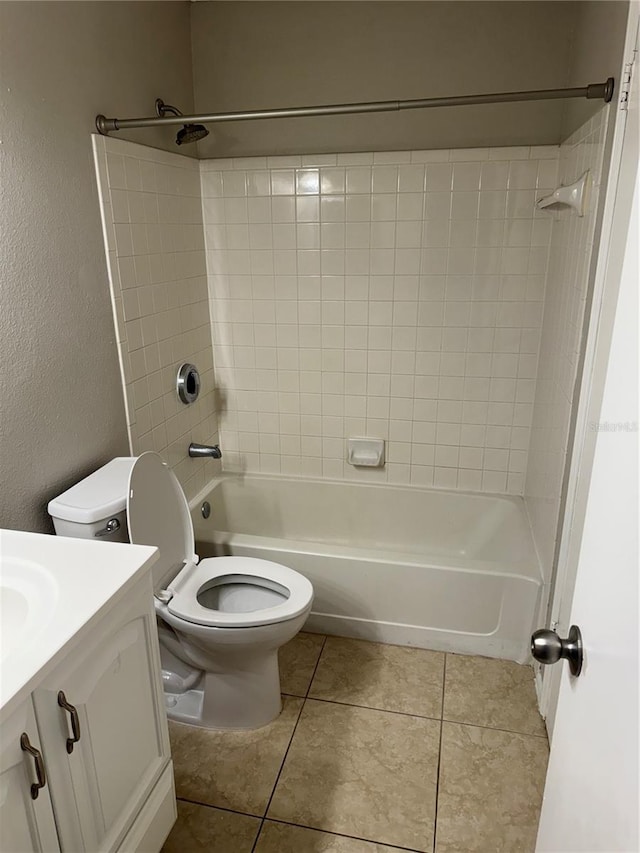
{"x": 221, "y": 620}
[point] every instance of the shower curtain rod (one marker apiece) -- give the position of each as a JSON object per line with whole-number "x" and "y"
{"x": 603, "y": 91}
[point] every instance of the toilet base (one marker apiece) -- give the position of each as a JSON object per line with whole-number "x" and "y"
{"x": 223, "y": 678}
{"x": 234, "y": 700}
{"x": 185, "y": 707}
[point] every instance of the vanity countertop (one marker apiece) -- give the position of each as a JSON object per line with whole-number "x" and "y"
{"x": 52, "y": 590}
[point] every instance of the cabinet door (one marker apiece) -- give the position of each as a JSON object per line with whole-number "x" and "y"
{"x": 113, "y": 683}
{"x": 25, "y": 824}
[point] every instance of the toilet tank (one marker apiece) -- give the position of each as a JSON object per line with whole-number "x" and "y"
{"x": 95, "y": 508}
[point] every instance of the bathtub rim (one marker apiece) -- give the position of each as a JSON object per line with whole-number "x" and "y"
{"x": 530, "y": 569}
{"x": 380, "y": 555}
{"x": 516, "y": 500}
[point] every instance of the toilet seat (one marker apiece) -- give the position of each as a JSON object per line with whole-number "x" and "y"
{"x": 184, "y": 603}
{"x": 158, "y": 514}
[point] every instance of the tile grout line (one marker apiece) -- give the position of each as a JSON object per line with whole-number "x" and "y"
{"x": 444, "y": 685}
{"x": 292, "y": 823}
{"x": 435, "y": 811}
{"x": 219, "y": 808}
{"x": 342, "y": 835}
{"x": 284, "y": 758}
{"x": 496, "y": 729}
{"x": 417, "y": 716}
{"x": 370, "y": 708}
{"x": 315, "y": 669}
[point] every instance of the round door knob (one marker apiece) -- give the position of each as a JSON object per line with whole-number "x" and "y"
{"x": 547, "y": 647}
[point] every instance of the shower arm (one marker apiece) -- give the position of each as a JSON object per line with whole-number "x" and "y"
{"x": 595, "y": 91}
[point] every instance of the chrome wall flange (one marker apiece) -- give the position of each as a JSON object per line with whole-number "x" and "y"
{"x": 188, "y": 383}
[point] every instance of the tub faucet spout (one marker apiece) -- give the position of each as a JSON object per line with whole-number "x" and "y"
{"x": 200, "y": 450}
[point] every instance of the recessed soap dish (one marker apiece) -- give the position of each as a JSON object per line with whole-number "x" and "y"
{"x": 365, "y": 452}
{"x": 573, "y": 195}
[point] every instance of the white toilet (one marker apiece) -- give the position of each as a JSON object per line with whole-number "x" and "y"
{"x": 220, "y": 621}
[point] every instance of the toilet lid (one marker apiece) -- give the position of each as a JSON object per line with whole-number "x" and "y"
{"x": 158, "y": 514}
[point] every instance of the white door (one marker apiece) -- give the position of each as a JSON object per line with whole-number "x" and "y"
{"x": 591, "y": 798}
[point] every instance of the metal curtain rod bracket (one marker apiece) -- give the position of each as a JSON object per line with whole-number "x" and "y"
{"x": 595, "y": 91}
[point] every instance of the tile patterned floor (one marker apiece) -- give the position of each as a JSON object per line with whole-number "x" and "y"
{"x": 378, "y": 748}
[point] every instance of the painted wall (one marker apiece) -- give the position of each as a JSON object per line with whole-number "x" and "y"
{"x": 270, "y": 54}
{"x": 152, "y": 218}
{"x": 596, "y": 54}
{"x": 396, "y": 295}
{"x": 60, "y": 64}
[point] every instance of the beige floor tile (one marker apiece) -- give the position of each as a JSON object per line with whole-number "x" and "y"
{"x": 234, "y": 770}
{"x": 283, "y": 838}
{"x": 390, "y": 678}
{"x": 490, "y": 790}
{"x": 205, "y": 828}
{"x": 298, "y": 660}
{"x": 495, "y": 693}
{"x": 361, "y": 772}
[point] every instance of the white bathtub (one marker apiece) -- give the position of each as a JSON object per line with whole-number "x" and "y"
{"x": 421, "y": 567}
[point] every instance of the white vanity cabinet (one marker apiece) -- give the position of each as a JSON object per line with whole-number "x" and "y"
{"x": 26, "y": 823}
{"x": 101, "y": 727}
{"x": 102, "y": 722}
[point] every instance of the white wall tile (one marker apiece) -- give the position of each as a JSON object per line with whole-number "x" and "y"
{"x": 387, "y": 294}
{"x": 549, "y": 394}
{"x": 159, "y": 288}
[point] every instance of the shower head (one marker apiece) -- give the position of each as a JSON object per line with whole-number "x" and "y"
{"x": 188, "y": 133}
{"x": 191, "y": 133}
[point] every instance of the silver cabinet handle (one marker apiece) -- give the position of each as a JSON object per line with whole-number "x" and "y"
{"x": 547, "y": 647}
{"x": 75, "y": 721}
{"x": 41, "y": 776}
{"x": 112, "y": 525}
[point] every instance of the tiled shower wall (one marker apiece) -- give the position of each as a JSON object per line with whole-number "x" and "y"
{"x": 562, "y": 335}
{"x": 394, "y": 295}
{"x": 152, "y": 222}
